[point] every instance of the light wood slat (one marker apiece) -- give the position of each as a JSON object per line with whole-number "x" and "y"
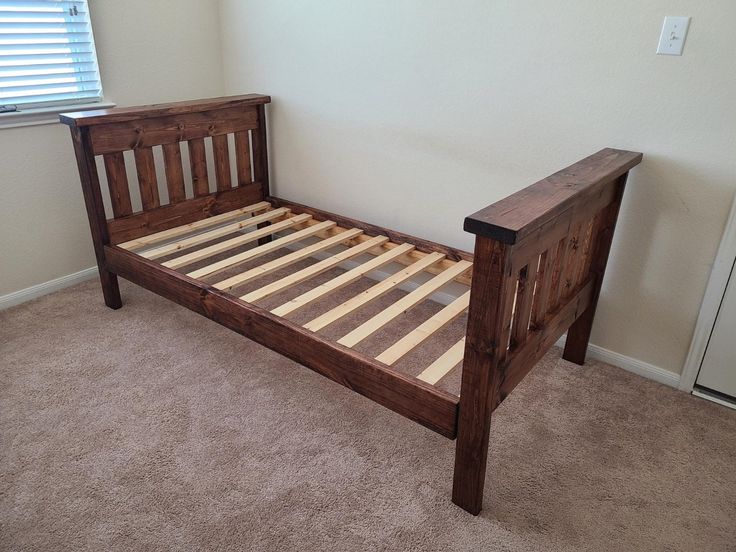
{"x": 524, "y": 296}
{"x": 221, "y": 152}
{"x": 313, "y": 270}
{"x": 373, "y": 292}
{"x": 443, "y": 365}
{"x": 117, "y": 183}
{"x": 425, "y": 330}
{"x": 261, "y": 250}
{"x": 174, "y": 172}
{"x": 191, "y": 241}
{"x": 198, "y": 225}
{"x": 198, "y": 166}
{"x": 404, "y": 304}
{"x": 147, "y": 182}
{"x": 343, "y": 280}
{"x": 242, "y": 158}
{"x": 216, "y": 248}
{"x": 286, "y": 260}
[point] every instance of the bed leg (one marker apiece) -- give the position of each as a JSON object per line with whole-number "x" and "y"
{"x": 578, "y": 336}
{"x": 471, "y": 453}
{"x": 491, "y": 301}
{"x": 110, "y": 289}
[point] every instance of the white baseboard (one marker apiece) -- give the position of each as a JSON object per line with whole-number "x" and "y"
{"x": 23, "y": 295}
{"x": 636, "y": 366}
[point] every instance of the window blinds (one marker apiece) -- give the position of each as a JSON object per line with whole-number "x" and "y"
{"x": 47, "y": 54}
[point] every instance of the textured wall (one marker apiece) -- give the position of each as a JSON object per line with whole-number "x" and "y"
{"x": 148, "y": 52}
{"x": 414, "y": 114}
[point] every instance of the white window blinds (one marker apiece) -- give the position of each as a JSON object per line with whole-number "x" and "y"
{"x": 47, "y": 54}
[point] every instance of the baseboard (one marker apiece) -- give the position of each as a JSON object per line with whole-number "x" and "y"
{"x": 23, "y": 295}
{"x": 633, "y": 365}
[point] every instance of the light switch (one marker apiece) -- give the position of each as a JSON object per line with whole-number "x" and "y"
{"x": 672, "y": 39}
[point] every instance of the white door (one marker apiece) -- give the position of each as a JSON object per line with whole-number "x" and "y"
{"x": 718, "y": 371}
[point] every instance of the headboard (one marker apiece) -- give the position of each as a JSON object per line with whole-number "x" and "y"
{"x": 137, "y": 132}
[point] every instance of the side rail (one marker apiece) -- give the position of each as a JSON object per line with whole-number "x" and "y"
{"x": 109, "y": 135}
{"x": 540, "y": 256}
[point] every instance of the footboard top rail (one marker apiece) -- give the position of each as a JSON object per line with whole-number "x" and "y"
{"x": 520, "y": 214}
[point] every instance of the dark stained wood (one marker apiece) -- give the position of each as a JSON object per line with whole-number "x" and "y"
{"x": 260, "y": 150}
{"x": 95, "y": 214}
{"x": 520, "y": 363}
{"x": 408, "y": 396}
{"x": 485, "y": 349}
{"x": 578, "y": 336}
{"x": 166, "y": 130}
{"x": 122, "y": 114}
{"x": 198, "y": 165}
{"x": 174, "y": 172}
{"x": 147, "y": 181}
{"x": 373, "y": 230}
{"x": 510, "y": 219}
{"x": 222, "y": 162}
{"x": 148, "y": 222}
{"x": 524, "y": 296}
{"x": 117, "y": 183}
{"x": 242, "y": 158}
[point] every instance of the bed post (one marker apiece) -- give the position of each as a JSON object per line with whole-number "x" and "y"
{"x": 260, "y": 161}
{"x": 95, "y": 212}
{"x": 485, "y": 348}
{"x": 578, "y": 335}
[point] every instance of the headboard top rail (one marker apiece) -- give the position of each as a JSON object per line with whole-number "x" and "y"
{"x": 518, "y": 215}
{"x": 125, "y": 114}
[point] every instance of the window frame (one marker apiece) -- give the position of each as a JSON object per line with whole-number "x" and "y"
{"x": 41, "y": 113}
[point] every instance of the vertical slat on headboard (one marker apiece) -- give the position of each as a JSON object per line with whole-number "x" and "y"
{"x": 198, "y": 163}
{"x": 117, "y": 182}
{"x": 174, "y": 172}
{"x": 147, "y": 181}
{"x": 242, "y": 157}
{"x": 222, "y": 162}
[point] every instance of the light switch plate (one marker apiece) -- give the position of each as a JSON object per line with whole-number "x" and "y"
{"x": 672, "y": 39}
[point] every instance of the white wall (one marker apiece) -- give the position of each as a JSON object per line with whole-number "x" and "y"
{"x": 413, "y": 114}
{"x": 148, "y": 52}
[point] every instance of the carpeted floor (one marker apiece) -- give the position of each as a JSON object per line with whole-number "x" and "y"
{"x": 151, "y": 428}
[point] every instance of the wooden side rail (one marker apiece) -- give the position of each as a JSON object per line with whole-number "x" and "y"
{"x": 110, "y": 133}
{"x": 539, "y": 260}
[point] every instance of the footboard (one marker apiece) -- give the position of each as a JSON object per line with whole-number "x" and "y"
{"x": 539, "y": 261}
{"x": 158, "y": 200}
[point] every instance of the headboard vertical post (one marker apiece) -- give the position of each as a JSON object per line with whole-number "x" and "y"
{"x": 95, "y": 212}
{"x": 260, "y": 160}
{"x": 578, "y": 335}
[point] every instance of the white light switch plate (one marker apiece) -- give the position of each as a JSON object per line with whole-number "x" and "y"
{"x": 672, "y": 39}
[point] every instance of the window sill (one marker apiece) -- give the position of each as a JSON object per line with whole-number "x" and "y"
{"x": 45, "y": 115}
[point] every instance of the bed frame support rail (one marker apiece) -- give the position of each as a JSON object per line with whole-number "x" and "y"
{"x": 539, "y": 260}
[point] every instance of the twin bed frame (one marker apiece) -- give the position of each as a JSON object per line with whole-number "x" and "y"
{"x": 536, "y": 272}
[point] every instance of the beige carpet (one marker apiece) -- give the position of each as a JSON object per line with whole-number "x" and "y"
{"x": 151, "y": 428}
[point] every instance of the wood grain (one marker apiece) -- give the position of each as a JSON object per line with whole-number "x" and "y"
{"x": 117, "y": 183}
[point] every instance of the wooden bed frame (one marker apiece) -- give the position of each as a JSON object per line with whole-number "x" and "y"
{"x": 536, "y": 273}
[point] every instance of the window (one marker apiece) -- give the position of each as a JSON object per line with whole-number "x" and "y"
{"x": 47, "y": 55}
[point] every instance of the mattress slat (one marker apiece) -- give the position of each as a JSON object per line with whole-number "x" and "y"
{"x": 286, "y": 260}
{"x": 404, "y": 304}
{"x": 343, "y": 280}
{"x": 210, "y": 235}
{"x": 152, "y": 239}
{"x": 313, "y": 270}
{"x": 374, "y": 292}
{"x": 261, "y": 250}
{"x": 217, "y": 248}
{"x": 442, "y": 366}
{"x": 425, "y": 330}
